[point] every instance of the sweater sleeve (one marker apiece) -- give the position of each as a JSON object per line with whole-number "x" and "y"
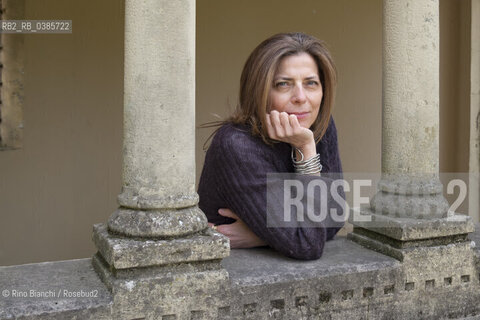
{"x": 242, "y": 166}
{"x": 328, "y": 149}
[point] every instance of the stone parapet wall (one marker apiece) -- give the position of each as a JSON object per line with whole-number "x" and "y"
{"x": 348, "y": 282}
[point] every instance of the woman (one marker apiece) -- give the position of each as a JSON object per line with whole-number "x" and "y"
{"x": 282, "y": 124}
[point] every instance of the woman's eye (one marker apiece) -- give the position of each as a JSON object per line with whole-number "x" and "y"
{"x": 281, "y": 84}
{"x": 312, "y": 83}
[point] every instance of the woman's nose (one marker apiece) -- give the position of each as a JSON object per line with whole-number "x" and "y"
{"x": 299, "y": 94}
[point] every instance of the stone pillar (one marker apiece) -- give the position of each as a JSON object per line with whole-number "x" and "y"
{"x": 159, "y": 197}
{"x": 410, "y": 130}
{"x": 474, "y": 159}
{"x": 157, "y": 247}
{"x": 409, "y": 210}
{"x": 12, "y": 62}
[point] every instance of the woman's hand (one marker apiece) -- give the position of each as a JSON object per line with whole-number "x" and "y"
{"x": 238, "y": 232}
{"x": 284, "y": 127}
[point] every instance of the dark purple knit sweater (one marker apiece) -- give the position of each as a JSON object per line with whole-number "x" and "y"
{"x": 234, "y": 177}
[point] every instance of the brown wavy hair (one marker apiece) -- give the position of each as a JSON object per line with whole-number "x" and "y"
{"x": 257, "y": 77}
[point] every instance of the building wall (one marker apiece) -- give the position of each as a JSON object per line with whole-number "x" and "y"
{"x": 68, "y": 173}
{"x": 227, "y": 31}
{"x": 454, "y": 85}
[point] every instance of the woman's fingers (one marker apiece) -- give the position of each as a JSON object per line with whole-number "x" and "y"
{"x": 284, "y": 127}
{"x": 270, "y": 129}
{"x": 227, "y": 213}
{"x": 277, "y": 125}
{"x": 285, "y": 122}
{"x": 296, "y": 127}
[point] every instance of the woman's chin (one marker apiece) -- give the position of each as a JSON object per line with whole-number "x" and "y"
{"x": 305, "y": 123}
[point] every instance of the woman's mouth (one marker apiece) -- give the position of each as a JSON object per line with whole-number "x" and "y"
{"x": 300, "y": 115}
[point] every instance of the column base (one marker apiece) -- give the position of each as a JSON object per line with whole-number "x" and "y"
{"x": 410, "y": 195}
{"x": 165, "y": 292}
{"x": 410, "y": 229}
{"x": 160, "y": 223}
{"x": 124, "y": 252}
{"x": 148, "y": 198}
{"x": 149, "y": 277}
{"x": 429, "y": 267}
{"x": 434, "y": 253}
{"x": 426, "y": 207}
{"x": 399, "y": 237}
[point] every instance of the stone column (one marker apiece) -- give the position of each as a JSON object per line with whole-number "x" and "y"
{"x": 410, "y": 130}
{"x": 474, "y": 161}
{"x": 157, "y": 247}
{"x": 409, "y": 209}
{"x": 159, "y": 197}
{"x": 12, "y": 62}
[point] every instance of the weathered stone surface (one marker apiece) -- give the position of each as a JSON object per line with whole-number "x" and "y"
{"x": 58, "y": 282}
{"x": 399, "y": 244}
{"x": 460, "y": 249}
{"x": 129, "y": 198}
{"x": 348, "y": 282}
{"x": 179, "y": 291}
{"x": 262, "y": 265}
{"x": 157, "y": 223}
{"x": 122, "y": 252}
{"x": 431, "y": 206}
{"x": 406, "y": 229}
{"x": 159, "y": 105}
{"x": 475, "y": 237}
{"x": 416, "y": 184}
{"x": 410, "y": 118}
{"x": 474, "y": 161}
{"x": 267, "y": 285}
{"x": 410, "y": 187}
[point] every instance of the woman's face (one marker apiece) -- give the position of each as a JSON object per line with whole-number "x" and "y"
{"x": 296, "y": 88}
